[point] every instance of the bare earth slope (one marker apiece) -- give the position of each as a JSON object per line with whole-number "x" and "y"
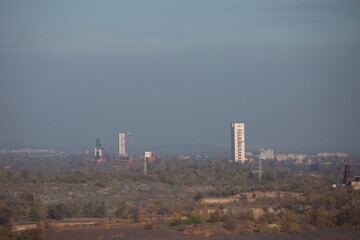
{"x": 140, "y": 233}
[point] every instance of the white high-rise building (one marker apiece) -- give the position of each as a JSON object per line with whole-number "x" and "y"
{"x": 147, "y": 155}
{"x": 238, "y": 142}
{"x": 122, "y": 144}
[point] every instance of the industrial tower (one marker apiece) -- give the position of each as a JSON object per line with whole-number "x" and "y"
{"x": 347, "y": 177}
{"x": 98, "y": 149}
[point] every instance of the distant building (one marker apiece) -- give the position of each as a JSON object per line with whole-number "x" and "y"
{"x": 341, "y": 155}
{"x": 87, "y": 152}
{"x": 356, "y": 184}
{"x": 98, "y": 150}
{"x": 308, "y": 162}
{"x": 122, "y": 144}
{"x": 301, "y": 157}
{"x": 299, "y": 162}
{"x": 281, "y": 157}
{"x": 238, "y": 142}
{"x": 182, "y": 157}
{"x": 98, "y": 153}
{"x": 147, "y": 155}
{"x": 328, "y": 155}
{"x": 250, "y": 159}
{"x": 294, "y": 156}
{"x": 248, "y": 154}
{"x": 325, "y": 155}
{"x": 266, "y": 154}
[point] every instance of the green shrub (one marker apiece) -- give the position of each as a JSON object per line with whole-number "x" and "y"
{"x": 5, "y": 215}
{"x": 34, "y": 213}
{"x": 31, "y": 234}
{"x": 198, "y": 196}
{"x": 176, "y": 220}
{"x": 348, "y": 216}
{"x": 94, "y": 209}
{"x": 230, "y": 224}
{"x": 57, "y": 211}
{"x": 285, "y": 226}
{"x": 295, "y": 228}
{"x": 259, "y": 228}
{"x": 249, "y": 215}
{"x": 195, "y": 218}
{"x": 148, "y": 226}
{"x": 6, "y": 234}
{"x": 271, "y": 218}
{"x": 224, "y": 218}
{"x": 122, "y": 210}
{"x": 214, "y": 218}
{"x": 330, "y": 224}
{"x": 274, "y": 230}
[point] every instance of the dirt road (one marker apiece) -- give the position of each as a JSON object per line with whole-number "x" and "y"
{"x": 140, "y": 233}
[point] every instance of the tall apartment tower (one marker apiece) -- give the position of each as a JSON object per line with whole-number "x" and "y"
{"x": 238, "y": 142}
{"x": 122, "y": 144}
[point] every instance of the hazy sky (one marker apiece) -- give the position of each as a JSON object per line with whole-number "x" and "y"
{"x": 175, "y": 72}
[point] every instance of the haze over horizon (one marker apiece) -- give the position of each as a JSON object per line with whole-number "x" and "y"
{"x": 179, "y": 72}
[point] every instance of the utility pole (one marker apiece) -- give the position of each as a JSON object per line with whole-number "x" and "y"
{"x": 130, "y": 146}
{"x": 260, "y": 170}
{"x": 145, "y": 165}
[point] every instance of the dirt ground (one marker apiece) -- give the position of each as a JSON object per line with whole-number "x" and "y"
{"x": 132, "y": 192}
{"x": 138, "y": 232}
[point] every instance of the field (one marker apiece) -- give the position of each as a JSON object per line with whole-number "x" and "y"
{"x": 138, "y": 232}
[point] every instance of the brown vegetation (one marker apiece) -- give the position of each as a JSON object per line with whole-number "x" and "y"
{"x": 168, "y": 197}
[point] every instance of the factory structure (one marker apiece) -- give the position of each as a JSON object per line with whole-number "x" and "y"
{"x": 101, "y": 155}
{"x": 238, "y": 154}
{"x": 98, "y": 150}
{"x": 347, "y": 178}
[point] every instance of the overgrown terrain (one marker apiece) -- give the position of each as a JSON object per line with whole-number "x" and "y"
{"x": 173, "y": 195}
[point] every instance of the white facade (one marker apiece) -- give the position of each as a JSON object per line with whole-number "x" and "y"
{"x": 98, "y": 152}
{"x": 147, "y": 155}
{"x": 238, "y": 142}
{"x": 281, "y": 157}
{"x": 122, "y": 144}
